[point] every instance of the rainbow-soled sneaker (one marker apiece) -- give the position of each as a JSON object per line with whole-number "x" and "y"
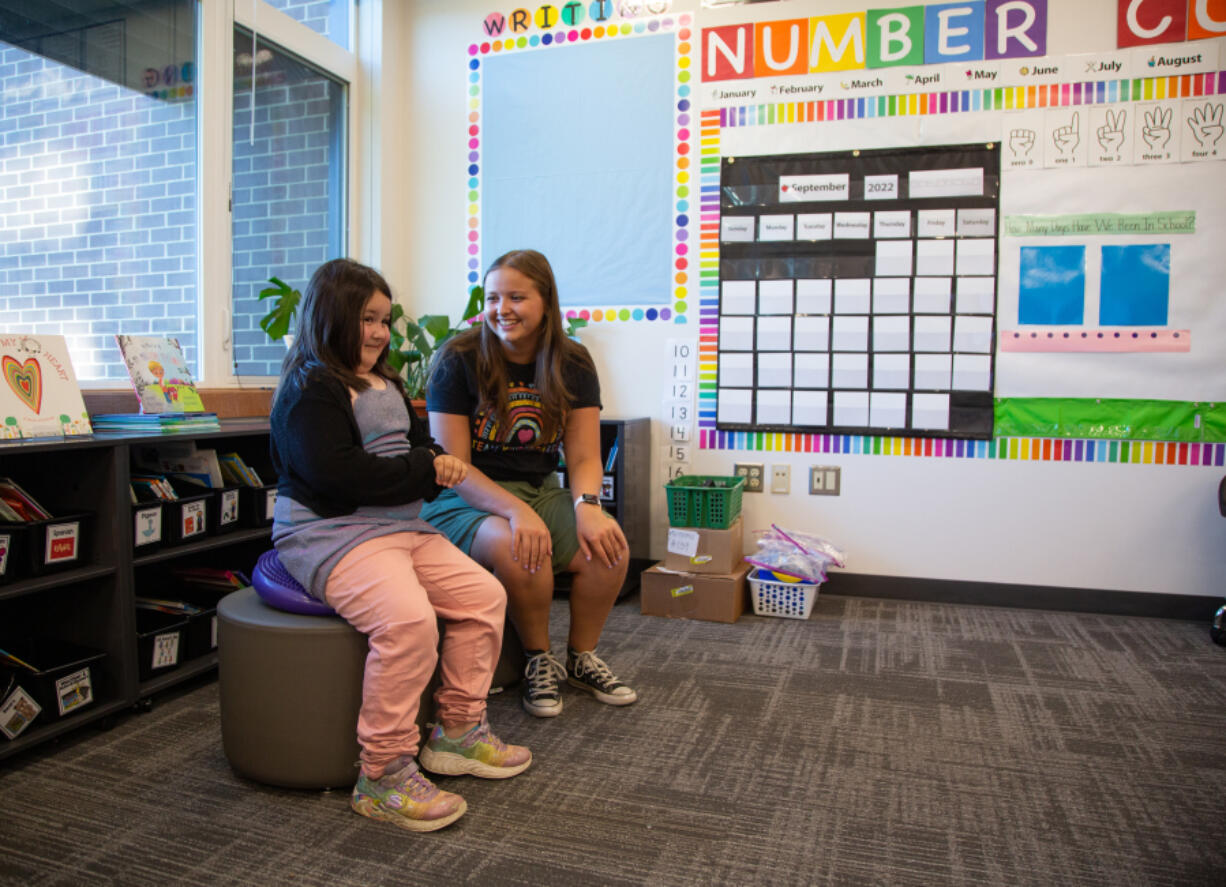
{"x": 406, "y": 798}
{"x": 478, "y": 753}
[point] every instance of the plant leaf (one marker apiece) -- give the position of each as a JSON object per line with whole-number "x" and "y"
{"x": 437, "y": 325}
{"x": 277, "y": 322}
{"x": 476, "y": 298}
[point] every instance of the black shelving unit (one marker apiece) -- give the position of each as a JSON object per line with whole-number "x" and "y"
{"x": 625, "y": 492}
{"x": 92, "y": 602}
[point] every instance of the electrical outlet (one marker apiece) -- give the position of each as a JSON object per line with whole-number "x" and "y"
{"x": 825, "y": 480}
{"x": 781, "y": 478}
{"x": 753, "y": 472}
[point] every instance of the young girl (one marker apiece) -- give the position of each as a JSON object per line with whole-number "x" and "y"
{"x": 354, "y": 465}
{"x": 505, "y": 395}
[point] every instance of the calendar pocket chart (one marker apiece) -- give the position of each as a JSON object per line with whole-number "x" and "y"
{"x": 869, "y": 308}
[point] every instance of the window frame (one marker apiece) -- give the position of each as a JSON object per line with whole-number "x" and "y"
{"x": 215, "y": 164}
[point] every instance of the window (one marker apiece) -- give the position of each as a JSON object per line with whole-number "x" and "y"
{"x": 98, "y": 174}
{"x": 329, "y": 18}
{"x": 288, "y": 185}
{"x": 112, "y": 206}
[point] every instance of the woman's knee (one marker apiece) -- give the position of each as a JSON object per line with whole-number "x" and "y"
{"x": 596, "y": 574}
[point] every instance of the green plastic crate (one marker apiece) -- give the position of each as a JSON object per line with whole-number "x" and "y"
{"x": 699, "y": 500}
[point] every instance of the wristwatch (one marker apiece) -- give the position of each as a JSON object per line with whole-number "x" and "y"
{"x": 587, "y": 499}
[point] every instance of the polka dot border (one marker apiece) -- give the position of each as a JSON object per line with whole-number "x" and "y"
{"x": 683, "y": 134}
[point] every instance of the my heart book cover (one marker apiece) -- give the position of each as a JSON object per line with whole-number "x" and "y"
{"x": 39, "y": 396}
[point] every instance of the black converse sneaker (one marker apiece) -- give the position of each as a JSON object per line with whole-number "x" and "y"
{"x": 587, "y": 671}
{"x": 540, "y": 688}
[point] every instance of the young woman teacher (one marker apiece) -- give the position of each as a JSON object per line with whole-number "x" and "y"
{"x": 507, "y": 396}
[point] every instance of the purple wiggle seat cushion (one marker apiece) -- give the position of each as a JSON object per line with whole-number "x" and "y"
{"x": 277, "y": 588}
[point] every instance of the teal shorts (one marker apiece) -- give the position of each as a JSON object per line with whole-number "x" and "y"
{"x": 458, "y": 521}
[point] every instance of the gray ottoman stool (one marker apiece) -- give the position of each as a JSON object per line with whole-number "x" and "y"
{"x": 291, "y": 687}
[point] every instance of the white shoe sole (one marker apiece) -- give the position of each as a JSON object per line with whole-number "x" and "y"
{"x": 448, "y": 763}
{"x": 375, "y": 811}
{"x": 606, "y": 698}
{"x": 542, "y": 711}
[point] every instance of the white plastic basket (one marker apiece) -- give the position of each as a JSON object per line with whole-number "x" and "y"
{"x": 793, "y": 600}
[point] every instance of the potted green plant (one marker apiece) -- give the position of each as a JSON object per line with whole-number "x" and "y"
{"x": 414, "y": 342}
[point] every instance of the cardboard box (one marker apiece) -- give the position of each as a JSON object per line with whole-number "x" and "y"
{"x": 707, "y": 596}
{"x": 702, "y": 550}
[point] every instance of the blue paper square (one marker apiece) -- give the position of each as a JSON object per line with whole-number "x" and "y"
{"x": 953, "y": 32}
{"x": 577, "y": 160}
{"x": 1053, "y": 285}
{"x": 1136, "y": 285}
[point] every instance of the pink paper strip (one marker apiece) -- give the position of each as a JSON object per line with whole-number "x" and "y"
{"x": 1078, "y": 339}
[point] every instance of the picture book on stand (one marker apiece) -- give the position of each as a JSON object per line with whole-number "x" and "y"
{"x": 39, "y": 396}
{"x": 159, "y": 374}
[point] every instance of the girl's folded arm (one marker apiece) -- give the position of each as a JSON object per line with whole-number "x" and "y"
{"x": 320, "y": 450}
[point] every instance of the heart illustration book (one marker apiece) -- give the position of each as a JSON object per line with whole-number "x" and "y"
{"x": 39, "y": 396}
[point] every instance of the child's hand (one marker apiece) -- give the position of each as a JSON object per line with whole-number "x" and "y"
{"x": 449, "y": 471}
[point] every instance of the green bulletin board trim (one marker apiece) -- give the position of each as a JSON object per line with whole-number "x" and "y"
{"x": 1111, "y": 419}
{"x": 1084, "y": 224}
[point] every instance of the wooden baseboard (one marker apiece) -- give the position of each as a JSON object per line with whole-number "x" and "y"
{"x": 227, "y": 403}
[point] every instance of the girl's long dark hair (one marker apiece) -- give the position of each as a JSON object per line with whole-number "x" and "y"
{"x": 329, "y": 334}
{"x": 554, "y": 349}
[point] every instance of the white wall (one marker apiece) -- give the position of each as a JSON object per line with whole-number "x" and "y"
{"x": 1140, "y": 528}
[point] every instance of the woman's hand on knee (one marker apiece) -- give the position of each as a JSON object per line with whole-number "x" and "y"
{"x": 600, "y": 536}
{"x": 531, "y": 542}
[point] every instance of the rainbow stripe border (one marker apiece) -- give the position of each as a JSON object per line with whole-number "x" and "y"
{"x": 1001, "y": 98}
{"x": 1027, "y": 449}
{"x": 711, "y": 124}
{"x": 676, "y": 312}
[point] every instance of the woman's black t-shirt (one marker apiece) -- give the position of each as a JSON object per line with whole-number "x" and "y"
{"x": 517, "y": 451}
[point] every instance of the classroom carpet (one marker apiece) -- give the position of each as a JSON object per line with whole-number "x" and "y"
{"x": 879, "y": 742}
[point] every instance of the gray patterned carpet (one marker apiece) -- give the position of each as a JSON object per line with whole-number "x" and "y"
{"x": 877, "y": 743}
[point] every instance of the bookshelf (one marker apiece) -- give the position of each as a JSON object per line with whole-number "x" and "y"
{"x": 91, "y": 602}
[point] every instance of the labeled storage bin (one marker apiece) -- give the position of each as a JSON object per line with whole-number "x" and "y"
{"x": 201, "y": 637}
{"x": 696, "y": 500}
{"x": 256, "y": 505}
{"x": 185, "y": 519}
{"x": 61, "y": 680}
{"x": 12, "y": 552}
{"x": 225, "y": 509}
{"x": 159, "y": 641}
{"x": 147, "y": 527}
{"x": 774, "y": 597}
{"x": 51, "y": 544}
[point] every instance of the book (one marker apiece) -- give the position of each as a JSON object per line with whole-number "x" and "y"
{"x": 211, "y": 577}
{"x": 180, "y": 458}
{"x": 159, "y": 374}
{"x": 20, "y": 502}
{"x": 175, "y": 608}
{"x": 152, "y": 488}
{"x": 237, "y": 471}
{"x": 160, "y": 423}
{"x": 39, "y": 396}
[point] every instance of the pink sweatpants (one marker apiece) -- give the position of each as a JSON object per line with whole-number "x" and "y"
{"x": 392, "y": 589}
